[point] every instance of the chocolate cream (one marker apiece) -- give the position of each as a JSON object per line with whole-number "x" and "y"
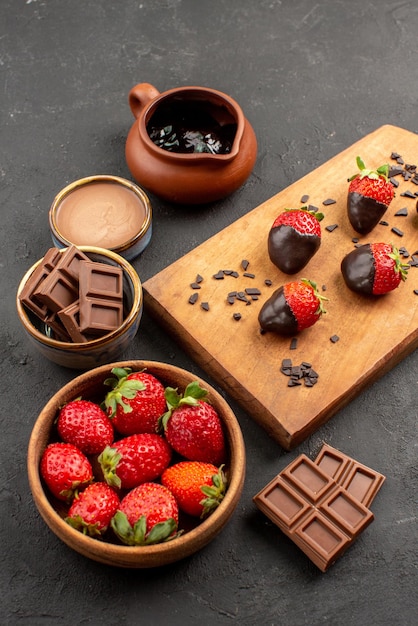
{"x": 104, "y": 214}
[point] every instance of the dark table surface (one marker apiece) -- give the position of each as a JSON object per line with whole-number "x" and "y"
{"x": 312, "y": 78}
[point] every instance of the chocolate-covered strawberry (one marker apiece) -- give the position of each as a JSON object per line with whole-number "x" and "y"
{"x": 293, "y": 307}
{"x": 369, "y": 194}
{"x": 373, "y": 269}
{"x": 294, "y": 238}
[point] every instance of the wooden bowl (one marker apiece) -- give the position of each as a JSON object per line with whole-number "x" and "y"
{"x": 90, "y": 385}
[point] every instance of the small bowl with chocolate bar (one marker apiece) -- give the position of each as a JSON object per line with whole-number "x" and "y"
{"x": 80, "y": 306}
{"x": 192, "y": 532}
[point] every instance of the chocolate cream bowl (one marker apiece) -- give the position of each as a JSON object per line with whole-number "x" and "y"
{"x": 98, "y": 351}
{"x": 105, "y": 211}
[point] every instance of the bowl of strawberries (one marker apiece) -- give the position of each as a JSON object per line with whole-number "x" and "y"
{"x": 136, "y": 464}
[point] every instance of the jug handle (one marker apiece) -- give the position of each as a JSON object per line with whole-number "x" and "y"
{"x": 140, "y": 95}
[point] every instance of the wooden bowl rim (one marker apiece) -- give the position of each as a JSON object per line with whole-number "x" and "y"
{"x": 141, "y": 556}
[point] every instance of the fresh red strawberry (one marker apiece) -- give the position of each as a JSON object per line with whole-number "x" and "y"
{"x": 373, "y": 269}
{"x": 134, "y": 460}
{"x": 148, "y": 514}
{"x": 136, "y": 401}
{"x": 292, "y": 308}
{"x": 198, "y": 487}
{"x": 92, "y": 510}
{"x": 369, "y": 194}
{"x": 65, "y": 469}
{"x": 192, "y": 426}
{"x": 294, "y": 238}
{"x": 84, "y": 424}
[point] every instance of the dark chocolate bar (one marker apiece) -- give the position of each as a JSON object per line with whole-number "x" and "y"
{"x": 321, "y": 506}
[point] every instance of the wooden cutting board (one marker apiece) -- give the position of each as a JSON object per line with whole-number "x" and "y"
{"x": 374, "y": 334}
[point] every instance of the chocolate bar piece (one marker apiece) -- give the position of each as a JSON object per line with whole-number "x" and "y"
{"x": 70, "y": 263}
{"x": 56, "y": 291}
{"x": 360, "y": 481}
{"x": 98, "y": 316}
{"x": 27, "y": 295}
{"x": 101, "y": 297}
{"x": 97, "y": 280}
{"x": 321, "y": 505}
{"x": 70, "y": 317}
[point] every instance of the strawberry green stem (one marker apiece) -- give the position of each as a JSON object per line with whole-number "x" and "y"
{"x": 121, "y": 387}
{"x": 192, "y": 394}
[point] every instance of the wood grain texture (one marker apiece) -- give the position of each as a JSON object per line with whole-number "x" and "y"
{"x": 374, "y": 334}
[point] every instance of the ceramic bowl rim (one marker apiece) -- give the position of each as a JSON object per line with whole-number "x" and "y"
{"x": 195, "y": 158}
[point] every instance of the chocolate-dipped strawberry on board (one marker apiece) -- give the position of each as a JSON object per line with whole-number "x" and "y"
{"x": 292, "y": 307}
{"x": 373, "y": 269}
{"x": 369, "y": 194}
{"x": 294, "y": 238}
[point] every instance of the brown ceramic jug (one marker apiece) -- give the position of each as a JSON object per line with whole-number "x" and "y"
{"x": 220, "y": 155}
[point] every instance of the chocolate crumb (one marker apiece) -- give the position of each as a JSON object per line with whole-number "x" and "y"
{"x": 199, "y": 278}
{"x": 397, "y": 231}
{"x": 395, "y": 171}
{"x": 384, "y": 223}
{"x": 324, "y": 287}
{"x": 304, "y": 198}
{"x": 205, "y": 306}
{"x": 248, "y": 275}
{"x": 355, "y": 240}
{"x": 416, "y": 292}
{"x": 331, "y": 227}
{"x": 286, "y": 364}
{"x": 252, "y": 291}
{"x": 408, "y": 194}
{"x": 195, "y": 286}
{"x": 219, "y": 275}
{"x": 237, "y": 316}
{"x": 313, "y": 208}
{"x": 193, "y": 298}
{"x": 244, "y": 264}
{"x": 293, "y": 343}
{"x": 395, "y": 155}
{"x": 334, "y": 338}
{"x": 402, "y": 212}
{"x": 269, "y": 282}
{"x": 329, "y": 201}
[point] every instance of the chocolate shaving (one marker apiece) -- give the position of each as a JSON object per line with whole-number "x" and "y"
{"x": 331, "y": 227}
